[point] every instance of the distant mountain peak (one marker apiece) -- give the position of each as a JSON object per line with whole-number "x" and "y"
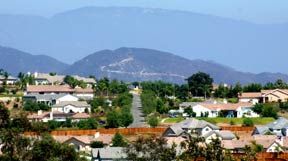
{"x": 141, "y": 64}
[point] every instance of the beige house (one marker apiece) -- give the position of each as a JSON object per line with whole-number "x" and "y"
{"x": 264, "y": 96}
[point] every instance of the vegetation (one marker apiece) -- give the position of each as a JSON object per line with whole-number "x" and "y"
{"x": 122, "y": 117}
{"x": 97, "y": 144}
{"x": 17, "y": 147}
{"x": 149, "y": 102}
{"x": 151, "y": 148}
{"x": 114, "y": 87}
{"x": 248, "y": 122}
{"x": 72, "y": 82}
{"x": 153, "y": 121}
{"x": 236, "y": 121}
{"x": 200, "y": 84}
{"x": 34, "y": 106}
{"x": 118, "y": 140}
{"x": 267, "y": 110}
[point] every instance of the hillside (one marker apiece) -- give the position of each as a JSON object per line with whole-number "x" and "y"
{"x": 15, "y": 61}
{"x": 138, "y": 64}
{"x": 70, "y": 35}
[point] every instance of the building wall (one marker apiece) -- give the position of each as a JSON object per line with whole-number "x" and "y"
{"x": 271, "y": 98}
{"x": 67, "y": 98}
{"x": 247, "y": 100}
{"x": 206, "y": 130}
{"x": 198, "y": 109}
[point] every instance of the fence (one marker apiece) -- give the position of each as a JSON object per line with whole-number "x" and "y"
{"x": 237, "y": 128}
{"x": 124, "y": 131}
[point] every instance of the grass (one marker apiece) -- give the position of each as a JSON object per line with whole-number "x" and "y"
{"x": 217, "y": 120}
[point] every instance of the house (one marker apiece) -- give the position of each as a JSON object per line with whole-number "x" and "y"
{"x": 57, "y": 116}
{"x": 198, "y": 127}
{"x": 278, "y": 127}
{"x": 215, "y": 109}
{"x": 252, "y": 97}
{"x": 50, "y": 99}
{"x": 221, "y": 135}
{"x": 72, "y": 107}
{"x": 9, "y": 81}
{"x": 81, "y": 93}
{"x": 265, "y": 96}
{"x": 270, "y": 143}
{"x": 108, "y": 154}
{"x": 83, "y": 142}
{"x": 48, "y": 79}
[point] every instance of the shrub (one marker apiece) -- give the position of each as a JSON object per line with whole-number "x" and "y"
{"x": 232, "y": 122}
{"x": 97, "y": 144}
{"x": 118, "y": 140}
{"x": 153, "y": 121}
{"x": 247, "y": 122}
{"x": 90, "y": 123}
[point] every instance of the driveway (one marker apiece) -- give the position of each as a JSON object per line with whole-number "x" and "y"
{"x": 138, "y": 116}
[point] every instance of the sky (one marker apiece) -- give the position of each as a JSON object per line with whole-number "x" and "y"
{"x": 256, "y": 11}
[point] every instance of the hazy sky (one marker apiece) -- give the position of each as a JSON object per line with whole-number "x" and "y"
{"x": 257, "y": 11}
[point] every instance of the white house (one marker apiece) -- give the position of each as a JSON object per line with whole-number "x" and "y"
{"x": 10, "y": 80}
{"x": 199, "y": 127}
{"x": 86, "y": 93}
{"x": 57, "y": 116}
{"x": 250, "y": 97}
{"x": 50, "y": 99}
{"x": 72, "y": 107}
{"x": 223, "y": 109}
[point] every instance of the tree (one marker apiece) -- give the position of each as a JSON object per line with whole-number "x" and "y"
{"x": 4, "y": 116}
{"x": 35, "y": 106}
{"x": 113, "y": 120}
{"x": 258, "y": 108}
{"x": 152, "y": 148}
{"x": 47, "y": 149}
{"x": 269, "y": 111}
{"x": 181, "y": 92}
{"x": 97, "y": 144}
{"x": 253, "y": 87}
{"x": 192, "y": 148}
{"x": 160, "y": 107}
{"x": 190, "y": 112}
{"x": 196, "y": 147}
{"x": 90, "y": 123}
{"x": 126, "y": 118}
{"x": 153, "y": 121}
{"x": 118, "y": 140}
{"x": 247, "y": 122}
{"x": 200, "y": 84}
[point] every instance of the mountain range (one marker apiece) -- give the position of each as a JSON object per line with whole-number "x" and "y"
{"x": 15, "y": 61}
{"x": 71, "y": 35}
{"x": 131, "y": 64}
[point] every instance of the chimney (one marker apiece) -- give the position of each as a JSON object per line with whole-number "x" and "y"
{"x": 51, "y": 115}
{"x": 39, "y": 112}
{"x": 225, "y": 101}
{"x": 97, "y": 134}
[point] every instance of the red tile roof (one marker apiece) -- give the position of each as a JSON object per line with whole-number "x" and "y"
{"x": 250, "y": 95}
{"x": 227, "y": 106}
{"x": 57, "y": 88}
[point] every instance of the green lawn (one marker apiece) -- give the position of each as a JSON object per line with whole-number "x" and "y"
{"x": 237, "y": 121}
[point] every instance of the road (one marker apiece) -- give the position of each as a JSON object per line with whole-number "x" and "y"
{"x": 138, "y": 116}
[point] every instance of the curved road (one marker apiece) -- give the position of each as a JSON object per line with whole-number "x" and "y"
{"x": 138, "y": 116}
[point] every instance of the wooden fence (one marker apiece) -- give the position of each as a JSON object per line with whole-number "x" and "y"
{"x": 237, "y": 128}
{"x": 261, "y": 157}
{"x": 123, "y": 131}
{"x": 132, "y": 131}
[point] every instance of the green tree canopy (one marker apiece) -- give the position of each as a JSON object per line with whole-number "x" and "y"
{"x": 200, "y": 84}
